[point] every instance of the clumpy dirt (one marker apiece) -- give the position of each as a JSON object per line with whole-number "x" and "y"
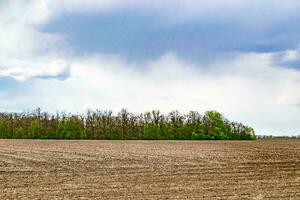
{"x": 263, "y": 169}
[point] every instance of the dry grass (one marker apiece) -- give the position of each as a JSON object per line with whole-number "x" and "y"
{"x": 35, "y": 169}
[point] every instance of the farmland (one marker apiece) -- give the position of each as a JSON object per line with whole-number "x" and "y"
{"x": 75, "y": 169}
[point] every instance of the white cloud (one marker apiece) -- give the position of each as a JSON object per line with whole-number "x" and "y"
{"x": 23, "y": 69}
{"x": 29, "y": 12}
{"x": 25, "y": 51}
{"x": 247, "y": 88}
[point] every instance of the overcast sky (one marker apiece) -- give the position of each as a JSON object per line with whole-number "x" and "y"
{"x": 241, "y": 58}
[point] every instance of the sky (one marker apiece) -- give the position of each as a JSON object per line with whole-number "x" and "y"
{"x": 241, "y": 58}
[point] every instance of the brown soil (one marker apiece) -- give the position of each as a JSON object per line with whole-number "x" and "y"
{"x": 32, "y": 169}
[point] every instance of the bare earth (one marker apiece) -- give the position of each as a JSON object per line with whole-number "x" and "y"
{"x": 32, "y": 169}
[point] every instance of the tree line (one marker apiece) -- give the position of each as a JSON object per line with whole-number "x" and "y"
{"x": 278, "y": 137}
{"x": 99, "y": 125}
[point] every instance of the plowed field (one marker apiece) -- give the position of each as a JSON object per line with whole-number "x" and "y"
{"x": 33, "y": 169}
